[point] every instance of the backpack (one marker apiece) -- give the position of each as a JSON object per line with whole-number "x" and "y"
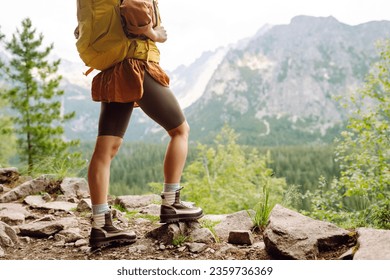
{"x": 101, "y": 41}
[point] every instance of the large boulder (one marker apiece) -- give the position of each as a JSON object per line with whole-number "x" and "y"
{"x": 32, "y": 187}
{"x": 373, "y": 244}
{"x": 290, "y": 235}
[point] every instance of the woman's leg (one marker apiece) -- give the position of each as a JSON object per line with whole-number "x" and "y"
{"x": 114, "y": 118}
{"x": 99, "y": 169}
{"x": 176, "y": 153}
{"x": 113, "y": 122}
{"x": 160, "y": 104}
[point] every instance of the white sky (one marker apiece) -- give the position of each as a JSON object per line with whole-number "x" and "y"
{"x": 193, "y": 26}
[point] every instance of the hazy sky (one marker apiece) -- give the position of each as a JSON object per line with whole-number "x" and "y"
{"x": 193, "y": 26}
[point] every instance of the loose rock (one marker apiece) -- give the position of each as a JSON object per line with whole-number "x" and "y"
{"x": 241, "y": 237}
{"x": 290, "y": 235}
{"x": 373, "y": 244}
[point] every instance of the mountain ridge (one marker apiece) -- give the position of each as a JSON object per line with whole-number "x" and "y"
{"x": 284, "y": 82}
{"x": 274, "y": 88}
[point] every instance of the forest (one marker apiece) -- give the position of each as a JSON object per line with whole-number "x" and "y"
{"x": 346, "y": 182}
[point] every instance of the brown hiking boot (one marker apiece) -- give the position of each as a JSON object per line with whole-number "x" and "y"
{"x": 104, "y": 233}
{"x": 174, "y": 210}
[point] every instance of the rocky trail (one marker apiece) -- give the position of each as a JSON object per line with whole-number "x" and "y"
{"x": 44, "y": 219}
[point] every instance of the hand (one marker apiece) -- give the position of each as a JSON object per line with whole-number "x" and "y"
{"x": 161, "y": 34}
{"x": 158, "y": 34}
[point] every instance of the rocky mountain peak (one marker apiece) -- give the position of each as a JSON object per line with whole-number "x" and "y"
{"x": 287, "y": 79}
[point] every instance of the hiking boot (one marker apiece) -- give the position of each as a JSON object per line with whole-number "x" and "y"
{"x": 104, "y": 233}
{"x": 174, "y": 210}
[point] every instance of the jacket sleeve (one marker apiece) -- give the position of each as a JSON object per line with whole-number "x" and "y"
{"x": 137, "y": 16}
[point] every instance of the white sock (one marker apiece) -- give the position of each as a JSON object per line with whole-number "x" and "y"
{"x": 168, "y": 198}
{"x": 171, "y": 187}
{"x": 100, "y": 208}
{"x": 98, "y": 220}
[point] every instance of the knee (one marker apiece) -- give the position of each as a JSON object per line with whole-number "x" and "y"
{"x": 107, "y": 148}
{"x": 183, "y": 130}
{"x": 113, "y": 150}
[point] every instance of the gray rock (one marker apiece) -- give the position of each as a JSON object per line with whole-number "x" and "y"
{"x": 138, "y": 249}
{"x": 43, "y": 229}
{"x": 373, "y": 244}
{"x": 13, "y": 213}
{"x": 59, "y": 205}
{"x": 11, "y": 218}
{"x": 152, "y": 209}
{"x": 75, "y": 188}
{"x": 35, "y": 201}
{"x": 81, "y": 243}
{"x": 70, "y": 235}
{"x": 46, "y": 218}
{"x": 259, "y": 245}
{"x": 25, "y": 239}
{"x": 8, "y": 175}
{"x": 241, "y": 237}
{"x": 236, "y": 221}
{"x": 202, "y": 235}
{"x": 196, "y": 248}
{"x": 46, "y": 197}
{"x": 8, "y": 237}
{"x": 167, "y": 233}
{"x": 84, "y": 205}
{"x": 290, "y": 235}
{"x": 132, "y": 202}
{"x": 31, "y": 187}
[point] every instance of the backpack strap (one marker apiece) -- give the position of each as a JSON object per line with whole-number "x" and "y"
{"x": 86, "y": 73}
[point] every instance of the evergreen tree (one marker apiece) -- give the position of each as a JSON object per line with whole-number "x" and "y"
{"x": 34, "y": 95}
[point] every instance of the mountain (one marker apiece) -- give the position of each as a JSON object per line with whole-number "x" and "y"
{"x": 279, "y": 89}
{"x": 187, "y": 82}
{"x": 274, "y": 88}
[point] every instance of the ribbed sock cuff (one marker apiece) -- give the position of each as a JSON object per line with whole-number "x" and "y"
{"x": 100, "y": 209}
{"x": 168, "y": 198}
{"x": 171, "y": 187}
{"x": 98, "y": 220}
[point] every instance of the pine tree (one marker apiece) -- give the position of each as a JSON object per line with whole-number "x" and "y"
{"x": 34, "y": 95}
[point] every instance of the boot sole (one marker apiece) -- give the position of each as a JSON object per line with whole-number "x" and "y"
{"x": 174, "y": 218}
{"x": 110, "y": 242}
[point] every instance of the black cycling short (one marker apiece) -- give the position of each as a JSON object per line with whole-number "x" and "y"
{"x": 158, "y": 102}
